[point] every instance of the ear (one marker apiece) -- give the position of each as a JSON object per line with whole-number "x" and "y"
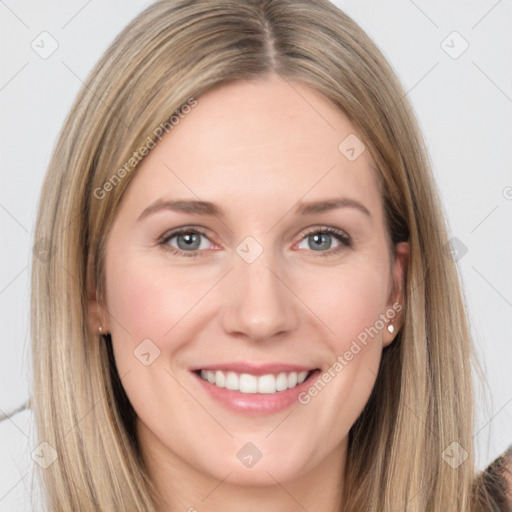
{"x": 395, "y": 306}
{"x": 97, "y": 315}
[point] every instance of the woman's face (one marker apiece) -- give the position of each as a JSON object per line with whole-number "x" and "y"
{"x": 260, "y": 289}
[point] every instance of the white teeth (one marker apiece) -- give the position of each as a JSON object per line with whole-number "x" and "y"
{"x": 282, "y": 382}
{"x": 267, "y": 384}
{"x": 292, "y": 379}
{"x": 301, "y": 377}
{"x": 232, "y": 381}
{"x": 247, "y": 383}
{"x": 220, "y": 379}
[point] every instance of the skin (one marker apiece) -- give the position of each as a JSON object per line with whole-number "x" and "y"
{"x": 255, "y": 149}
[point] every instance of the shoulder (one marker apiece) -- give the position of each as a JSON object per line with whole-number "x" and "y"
{"x": 497, "y": 481}
{"x": 19, "y": 489}
{"x": 507, "y": 475}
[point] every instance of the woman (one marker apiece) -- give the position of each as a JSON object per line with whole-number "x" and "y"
{"x": 248, "y": 369}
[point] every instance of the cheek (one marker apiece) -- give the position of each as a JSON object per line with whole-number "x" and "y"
{"x": 148, "y": 300}
{"x": 153, "y": 310}
{"x": 350, "y": 301}
{"x": 350, "y": 304}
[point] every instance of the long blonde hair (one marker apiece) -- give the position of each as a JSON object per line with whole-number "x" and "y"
{"x": 176, "y": 50}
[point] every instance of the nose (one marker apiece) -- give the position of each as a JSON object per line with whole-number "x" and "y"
{"x": 260, "y": 302}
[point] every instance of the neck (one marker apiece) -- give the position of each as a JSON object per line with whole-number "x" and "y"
{"x": 184, "y": 488}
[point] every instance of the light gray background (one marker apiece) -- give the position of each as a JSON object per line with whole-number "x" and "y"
{"x": 464, "y": 106}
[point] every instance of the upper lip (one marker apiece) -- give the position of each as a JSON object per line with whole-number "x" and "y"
{"x": 255, "y": 369}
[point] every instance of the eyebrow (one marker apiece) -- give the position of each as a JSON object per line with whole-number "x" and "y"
{"x": 211, "y": 209}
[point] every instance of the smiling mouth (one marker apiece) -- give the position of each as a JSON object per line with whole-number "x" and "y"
{"x": 254, "y": 384}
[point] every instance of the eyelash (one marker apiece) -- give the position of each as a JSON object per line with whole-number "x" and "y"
{"x": 343, "y": 238}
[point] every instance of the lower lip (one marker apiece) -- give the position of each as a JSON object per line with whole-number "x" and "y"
{"x": 256, "y": 403}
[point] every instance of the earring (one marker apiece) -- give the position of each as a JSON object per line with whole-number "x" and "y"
{"x": 100, "y": 330}
{"x": 391, "y": 329}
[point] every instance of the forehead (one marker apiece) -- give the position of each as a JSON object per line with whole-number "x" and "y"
{"x": 261, "y": 143}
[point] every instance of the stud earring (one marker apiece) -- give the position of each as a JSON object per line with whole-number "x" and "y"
{"x": 391, "y": 329}
{"x": 100, "y": 330}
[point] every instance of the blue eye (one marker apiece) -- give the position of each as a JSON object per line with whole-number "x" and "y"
{"x": 320, "y": 240}
{"x": 189, "y": 241}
